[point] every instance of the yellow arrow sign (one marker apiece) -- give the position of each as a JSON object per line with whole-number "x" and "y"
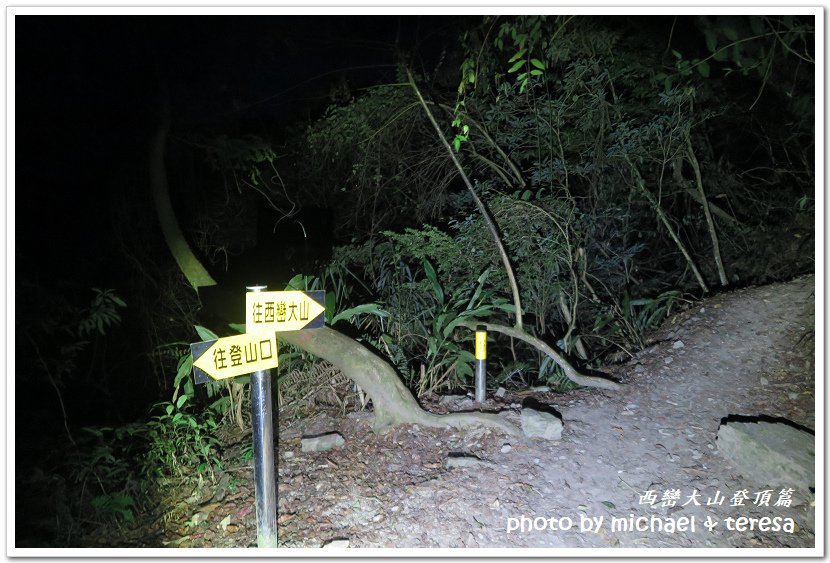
{"x": 233, "y": 356}
{"x": 282, "y": 311}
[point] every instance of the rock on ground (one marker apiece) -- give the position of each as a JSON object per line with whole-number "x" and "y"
{"x": 322, "y": 443}
{"x": 539, "y": 424}
{"x": 772, "y": 453}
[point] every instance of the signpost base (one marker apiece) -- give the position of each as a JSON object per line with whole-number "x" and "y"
{"x": 266, "y": 497}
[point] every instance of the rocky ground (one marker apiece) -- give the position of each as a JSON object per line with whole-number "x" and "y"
{"x": 645, "y": 456}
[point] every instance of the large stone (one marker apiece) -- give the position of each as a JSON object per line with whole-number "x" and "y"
{"x": 466, "y": 461}
{"x": 539, "y": 424}
{"x": 322, "y": 443}
{"x": 336, "y": 544}
{"x": 772, "y": 453}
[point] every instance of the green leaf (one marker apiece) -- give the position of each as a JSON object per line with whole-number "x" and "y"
{"x": 538, "y": 64}
{"x": 439, "y": 322}
{"x": 711, "y": 39}
{"x": 730, "y": 33}
{"x": 703, "y": 69}
{"x": 535, "y": 72}
{"x": 676, "y": 54}
{"x": 238, "y": 327}
{"x": 365, "y": 308}
{"x": 330, "y": 304}
{"x": 471, "y": 77}
{"x": 205, "y": 334}
{"x": 436, "y": 287}
{"x": 183, "y": 369}
{"x": 480, "y": 285}
{"x": 466, "y": 356}
{"x": 506, "y": 307}
{"x": 463, "y": 369}
{"x": 516, "y": 66}
{"x": 180, "y": 401}
{"x": 609, "y": 504}
{"x": 600, "y": 322}
{"x": 452, "y": 324}
{"x": 296, "y": 283}
{"x": 456, "y": 143}
{"x": 517, "y": 56}
{"x": 94, "y": 431}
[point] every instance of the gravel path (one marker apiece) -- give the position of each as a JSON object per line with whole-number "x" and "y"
{"x": 646, "y": 456}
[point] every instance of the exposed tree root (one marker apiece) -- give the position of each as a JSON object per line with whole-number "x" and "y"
{"x": 570, "y": 371}
{"x": 393, "y": 402}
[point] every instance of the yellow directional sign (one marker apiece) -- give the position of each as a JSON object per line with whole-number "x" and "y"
{"x": 233, "y": 356}
{"x": 283, "y": 311}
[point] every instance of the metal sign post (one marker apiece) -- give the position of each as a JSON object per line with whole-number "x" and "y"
{"x": 263, "y": 430}
{"x": 266, "y": 314}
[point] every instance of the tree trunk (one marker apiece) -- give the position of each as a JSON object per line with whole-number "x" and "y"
{"x": 641, "y": 184}
{"x": 488, "y": 220}
{"x": 712, "y": 232}
{"x": 189, "y": 265}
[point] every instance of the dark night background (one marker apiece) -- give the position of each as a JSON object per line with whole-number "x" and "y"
{"x": 88, "y": 95}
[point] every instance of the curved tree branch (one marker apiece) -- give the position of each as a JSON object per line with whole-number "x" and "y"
{"x": 189, "y": 265}
{"x": 570, "y": 371}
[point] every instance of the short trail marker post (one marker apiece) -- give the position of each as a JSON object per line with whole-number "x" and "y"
{"x": 255, "y": 352}
{"x": 481, "y": 363}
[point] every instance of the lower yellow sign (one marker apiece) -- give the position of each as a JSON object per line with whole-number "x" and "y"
{"x": 234, "y": 356}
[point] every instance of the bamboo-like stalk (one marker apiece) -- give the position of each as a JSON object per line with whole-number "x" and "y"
{"x": 491, "y": 225}
{"x": 666, "y": 223}
{"x": 705, "y": 203}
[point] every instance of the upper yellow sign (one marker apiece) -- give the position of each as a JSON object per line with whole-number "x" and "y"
{"x": 283, "y": 311}
{"x": 234, "y": 355}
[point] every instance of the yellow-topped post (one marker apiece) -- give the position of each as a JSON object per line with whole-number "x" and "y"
{"x": 481, "y": 363}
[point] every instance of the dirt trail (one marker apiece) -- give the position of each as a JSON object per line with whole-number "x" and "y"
{"x": 748, "y": 352}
